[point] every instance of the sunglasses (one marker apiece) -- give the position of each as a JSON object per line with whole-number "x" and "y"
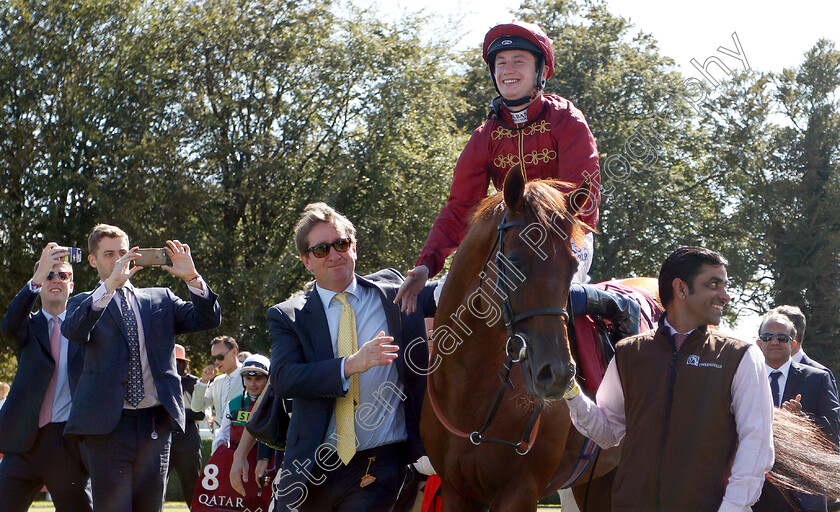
{"x": 783, "y": 338}
{"x": 63, "y": 276}
{"x": 221, "y": 357}
{"x": 321, "y": 250}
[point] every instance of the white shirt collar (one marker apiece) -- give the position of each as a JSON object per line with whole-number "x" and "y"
{"x": 327, "y": 295}
{"x": 674, "y": 331}
{"x": 50, "y": 317}
{"x": 127, "y": 285}
{"x": 785, "y": 369}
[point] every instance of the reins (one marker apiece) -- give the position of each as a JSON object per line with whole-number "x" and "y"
{"x": 512, "y": 355}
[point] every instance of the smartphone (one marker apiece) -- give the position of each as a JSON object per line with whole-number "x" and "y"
{"x": 152, "y": 257}
{"x": 75, "y": 255}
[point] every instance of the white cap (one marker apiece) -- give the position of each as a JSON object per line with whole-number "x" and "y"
{"x": 255, "y": 365}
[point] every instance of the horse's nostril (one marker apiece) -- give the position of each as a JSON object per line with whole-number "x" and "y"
{"x": 545, "y": 375}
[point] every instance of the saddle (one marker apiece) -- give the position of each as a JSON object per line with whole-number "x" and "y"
{"x": 595, "y": 336}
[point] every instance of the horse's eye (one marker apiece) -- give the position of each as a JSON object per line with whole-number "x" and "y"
{"x": 515, "y": 259}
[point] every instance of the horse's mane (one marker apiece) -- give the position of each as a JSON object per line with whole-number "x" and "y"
{"x": 544, "y": 202}
{"x": 806, "y": 461}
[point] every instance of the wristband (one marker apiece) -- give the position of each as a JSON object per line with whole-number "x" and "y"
{"x": 196, "y": 278}
{"x": 573, "y": 391}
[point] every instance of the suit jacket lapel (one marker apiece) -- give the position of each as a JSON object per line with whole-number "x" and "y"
{"x": 392, "y": 316}
{"x": 316, "y": 330}
{"x": 392, "y": 311}
{"x": 113, "y": 309}
{"x": 792, "y": 383}
{"x": 42, "y": 333}
{"x": 145, "y": 302}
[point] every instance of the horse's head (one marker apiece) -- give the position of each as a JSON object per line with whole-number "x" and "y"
{"x": 536, "y": 264}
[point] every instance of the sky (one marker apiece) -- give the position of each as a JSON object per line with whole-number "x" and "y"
{"x": 772, "y": 35}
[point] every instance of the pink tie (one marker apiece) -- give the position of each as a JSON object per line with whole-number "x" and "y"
{"x": 679, "y": 339}
{"x": 55, "y": 347}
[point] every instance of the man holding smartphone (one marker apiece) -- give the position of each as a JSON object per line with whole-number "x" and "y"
{"x": 33, "y": 419}
{"x": 128, "y": 400}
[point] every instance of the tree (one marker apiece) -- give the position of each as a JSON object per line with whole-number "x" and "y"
{"x": 637, "y": 107}
{"x": 215, "y": 122}
{"x": 778, "y": 139}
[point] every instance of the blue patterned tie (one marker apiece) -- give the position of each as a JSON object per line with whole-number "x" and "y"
{"x": 134, "y": 393}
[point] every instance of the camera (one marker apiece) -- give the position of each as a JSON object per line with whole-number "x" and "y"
{"x": 75, "y": 255}
{"x": 152, "y": 257}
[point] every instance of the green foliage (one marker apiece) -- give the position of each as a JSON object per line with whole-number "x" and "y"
{"x": 215, "y": 122}
{"x": 777, "y": 138}
{"x": 635, "y": 104}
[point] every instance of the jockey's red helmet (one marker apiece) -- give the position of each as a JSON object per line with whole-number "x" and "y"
{"x": 520, "y": 35}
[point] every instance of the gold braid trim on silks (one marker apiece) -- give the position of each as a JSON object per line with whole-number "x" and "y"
{"x": 506, "y": 162}
{"x": 511, "y": 160}
{"x": 544, "y": 156}
{"x": 502, "y": 132}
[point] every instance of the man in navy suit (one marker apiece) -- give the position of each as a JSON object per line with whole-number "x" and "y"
{"x": 33, "y": 419}
{"x": 128, "y": 400}
{"x": 800, "y": 389}
{"x": 356, "y": 415}
{"x": 798, "y": 354}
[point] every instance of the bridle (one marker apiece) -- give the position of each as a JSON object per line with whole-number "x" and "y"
{"x": 513, "y": 354}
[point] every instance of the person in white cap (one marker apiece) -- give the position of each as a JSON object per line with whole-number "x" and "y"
{"x": 254, "y": 374}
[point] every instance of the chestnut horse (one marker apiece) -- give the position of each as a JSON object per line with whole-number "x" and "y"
{"x": 503, "y": 312}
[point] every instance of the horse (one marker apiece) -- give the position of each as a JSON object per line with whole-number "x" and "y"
{"x": 504, "y": 306}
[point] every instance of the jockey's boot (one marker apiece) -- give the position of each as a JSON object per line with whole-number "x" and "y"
{"x": 623, "y": 312}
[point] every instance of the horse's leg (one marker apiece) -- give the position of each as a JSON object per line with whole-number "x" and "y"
{"x": 520, "y": 496}
{"x": 595, "y": 496}
{"x": 453, "y": 501}
{"x": 567, "y": 500}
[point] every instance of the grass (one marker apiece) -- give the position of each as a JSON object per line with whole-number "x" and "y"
{"x": 180, "y": 506}
{"x": 47, "y": 506}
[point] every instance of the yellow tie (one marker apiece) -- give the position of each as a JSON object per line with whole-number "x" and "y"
{"x": 345, "y": 407}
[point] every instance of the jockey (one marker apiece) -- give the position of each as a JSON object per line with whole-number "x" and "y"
{"x": 549, "y": 136}
{"x": 254, "y": 372}
{"x": 545, "y": 133}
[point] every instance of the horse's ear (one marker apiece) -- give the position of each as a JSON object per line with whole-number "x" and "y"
{"x": 579, "y": 197}
{"x": 514, "y": 187}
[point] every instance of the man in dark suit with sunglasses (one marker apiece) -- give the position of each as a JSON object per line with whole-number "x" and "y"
{"x": 36, "y": 411}
{"x": 798, "y": 354}
{"x": 799, "y": 389}
{"x": 354, "y": 365}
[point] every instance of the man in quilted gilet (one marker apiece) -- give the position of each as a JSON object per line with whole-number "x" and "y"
{"x": 690, "y": 406}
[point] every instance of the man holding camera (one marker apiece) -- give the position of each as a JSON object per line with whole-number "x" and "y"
{"x": 128, "y": 400}
{"x": 33, "y": 419}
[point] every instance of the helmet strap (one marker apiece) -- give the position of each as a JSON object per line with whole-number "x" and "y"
{"x": 519, "y": 101}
